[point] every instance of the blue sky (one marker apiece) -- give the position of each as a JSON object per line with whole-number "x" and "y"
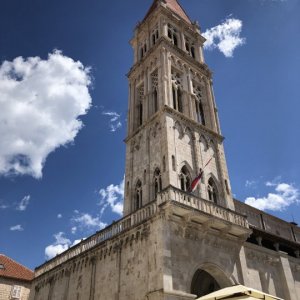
{"x": 72, "y": 184}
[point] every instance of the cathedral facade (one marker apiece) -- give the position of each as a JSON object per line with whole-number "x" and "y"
{"x": 175, "y": 243}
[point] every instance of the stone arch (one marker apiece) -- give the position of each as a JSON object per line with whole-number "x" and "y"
{"x": 188, "y": 131}
{"x": 209, "y": 277}
{"x": 179, "y": 128}
{"x": 204, "y": 141}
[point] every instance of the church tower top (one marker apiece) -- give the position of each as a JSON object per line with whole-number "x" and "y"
{"x": 173, "y": 5}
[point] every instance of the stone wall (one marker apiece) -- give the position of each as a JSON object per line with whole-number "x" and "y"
{"x": 6, "y": 286}
{"x": 125, "y": 267}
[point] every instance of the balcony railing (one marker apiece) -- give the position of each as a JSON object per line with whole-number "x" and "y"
{"x": 169, "y": 194}
{"x": 208, "y": 207}
{"x": 125, "y": 223}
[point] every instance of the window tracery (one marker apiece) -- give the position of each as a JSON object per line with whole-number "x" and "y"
{"x": 212, "y": 191}
{"x": 157, "y": 182}
{"x": 138, "y": 195}
{"x": 141, "y": 91}
{"x": 189, "y": 47}
{"x": 173, "y": 35}
{"x": 154, "y": 78}
{"x": 154, "y": 36}
{"x": 143, "y": 49}
{"x": 185, "y": 179}
{"x": 177, "y": 91}
{"x": 199, "y": 104}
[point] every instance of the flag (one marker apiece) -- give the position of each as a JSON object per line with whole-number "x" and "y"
{"x": 197, "y": 179}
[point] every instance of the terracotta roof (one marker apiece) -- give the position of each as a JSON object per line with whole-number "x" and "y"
{"x": 173, "y": 5}
{"x": 11, "y": 269}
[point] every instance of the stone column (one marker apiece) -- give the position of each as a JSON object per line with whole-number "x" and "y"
{"x": 51, "y": 283}
{"x": 93, "y": 278}
{"x": 66, "y": 292}
{"x": 244, "y": 267}
{"x": 289, "y": 282}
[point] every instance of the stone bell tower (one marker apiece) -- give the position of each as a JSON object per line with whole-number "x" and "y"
{"x": 173, "y": 125}
{"x": 172, "y": 244}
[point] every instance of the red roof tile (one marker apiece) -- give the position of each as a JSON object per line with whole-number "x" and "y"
{"x": 174, "y": 6}
{"x": 11, "y": 269}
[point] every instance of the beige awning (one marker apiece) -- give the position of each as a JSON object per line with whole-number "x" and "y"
{"x": 238, "y": 292}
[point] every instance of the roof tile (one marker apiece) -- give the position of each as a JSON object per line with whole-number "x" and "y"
{"x": 174, "y": 6}
{"x": 12, "y": 269}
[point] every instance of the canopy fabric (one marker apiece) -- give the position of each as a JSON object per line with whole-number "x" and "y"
{"x": 238, "y": 292}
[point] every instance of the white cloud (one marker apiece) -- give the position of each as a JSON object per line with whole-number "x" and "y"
{"x": 16, "y": 228}
{"x": 59, "y": 216}
{"x": 74, "y": 229}
{"x": 23, "y": 203}
{"x": 283, "y": 196}
{"x": 250, "y": 183}
{"x": 3, "y": 205}
{"x": 114, "y": 122}
{"x": 112, "y": 196}
{"x": 225, "y": 37}
{"x": 41, "y": 101}
{"x": 86, "y": 221}
{"x": 60, "y": 245}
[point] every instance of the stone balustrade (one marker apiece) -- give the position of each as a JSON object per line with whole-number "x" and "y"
{"x": 170, "y": 194}
{"x": 101, "y": 236}
{"x": 208, "y": 207}
{"x": 265, "y": 222}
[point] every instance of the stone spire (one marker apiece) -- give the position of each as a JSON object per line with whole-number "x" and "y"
{"x": 172, "y": 5}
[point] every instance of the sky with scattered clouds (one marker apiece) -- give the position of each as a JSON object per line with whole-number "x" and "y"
{"x": 63, "y": 99}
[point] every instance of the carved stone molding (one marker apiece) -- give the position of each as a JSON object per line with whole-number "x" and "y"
{"x": 263, "y": 258}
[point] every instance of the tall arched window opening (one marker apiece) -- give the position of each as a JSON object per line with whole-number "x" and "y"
{"x": 185, "y": 179}
{"x": 140, "y": 105}
{"x": 212, "y": 191}
{"x": 157, "y": 182}
{"x": 138, "y": 196}
{"x": 173, "y": 35}
{"x": 154, "y": 78}
{"x": 154, "y": 36}
{"x": 189, "y": 47}
{"x": 177, "y": 92}
{"x": 199, "y": 106}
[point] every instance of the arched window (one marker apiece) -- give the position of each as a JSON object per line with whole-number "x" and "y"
{"x": 212, "y": 191}
{"x": 199, "y": 106}
{"x": 155, "y": 100}
{"x": 189, "y": 47}
{"x": 140, "y": 105}
{"x": 179, "y": 100}
{"x": 177, "y": 92}
{"x": 127, "y": 188}
{"x": 157, "y": 182}
{"x": 138, "y": 196}
{"x": 154, "y": 36}
{"x": 172, "y": 35}
{"x": 140, "y": 113}
{"x": 185, "y": 179}
{"x": 193, "y": 52}
{"x": 154, "y": 78}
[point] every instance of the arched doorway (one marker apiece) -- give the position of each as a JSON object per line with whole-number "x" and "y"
{"x": 203, "y": 283}
{"x": 209, "y": 280}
